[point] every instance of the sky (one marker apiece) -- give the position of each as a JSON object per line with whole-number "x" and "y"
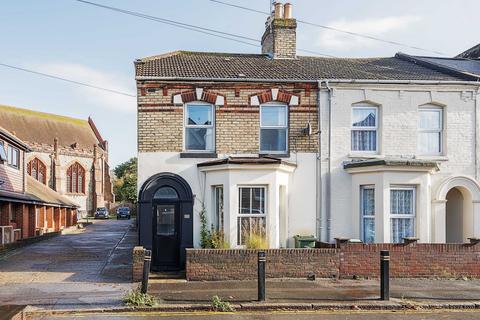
{"x": 89, "y": 44}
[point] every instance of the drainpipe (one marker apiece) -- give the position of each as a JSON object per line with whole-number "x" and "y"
{"x": 477, "y": 131}
{"x": 318, "y": 199}
{"x": 324, "y": 234}
{"x": 329, "y": 166}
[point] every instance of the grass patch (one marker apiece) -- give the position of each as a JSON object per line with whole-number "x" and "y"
{"x": 138, "y": 299}
{"x": 218, "y": 305}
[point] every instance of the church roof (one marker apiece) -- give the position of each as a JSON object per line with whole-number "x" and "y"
{"x": 39, "y": 128}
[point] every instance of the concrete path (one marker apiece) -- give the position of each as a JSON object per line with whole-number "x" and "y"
{"x": 83, "y": 269}
{"x": 323, "y": 290}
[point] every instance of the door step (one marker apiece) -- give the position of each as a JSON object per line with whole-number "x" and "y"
{"x": 178, "y": 275}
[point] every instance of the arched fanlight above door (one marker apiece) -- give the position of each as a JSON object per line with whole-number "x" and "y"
{"x": 166, "y": 193}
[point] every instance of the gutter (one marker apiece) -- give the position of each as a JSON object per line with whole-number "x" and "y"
{"x": 362, "y": 81}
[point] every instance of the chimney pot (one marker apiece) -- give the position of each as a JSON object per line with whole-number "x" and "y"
{"x": 279, "y": 39}
{"x": 287, "y": 11}
{"x": 278, "y": 10}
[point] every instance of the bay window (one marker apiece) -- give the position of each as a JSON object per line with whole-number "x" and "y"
{"x": 364, "y": 128}
{"x": 430, "y": 128}
{"x": 367, "y": 212}
{"x": 218, "y": 200}
{"x": 273, "y": 128}
{"x": 251, "y": 213}
{"x": 199, "y": 127}
{"x": 402, "y": 213}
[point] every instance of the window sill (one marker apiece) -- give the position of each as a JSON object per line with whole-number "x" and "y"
{"x": 365, "y": 155}
{"x": 198, "y": 155}
{"x": 275, "y": 155}
{"x": 432, "y": 158}
{"x": 75, "y": 194}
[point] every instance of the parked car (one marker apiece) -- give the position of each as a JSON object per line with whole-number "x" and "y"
{"x": 123, "y": 213}
{"x": 101, "y": 213}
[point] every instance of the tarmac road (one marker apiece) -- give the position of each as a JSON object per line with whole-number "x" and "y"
{"x": 341, "y": 315}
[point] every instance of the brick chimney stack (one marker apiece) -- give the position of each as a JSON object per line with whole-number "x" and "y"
{"x": 280, "y": 37}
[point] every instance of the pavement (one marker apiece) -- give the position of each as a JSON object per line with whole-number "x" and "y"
{"x": 85, "y": 268}
{"x": 179, "y": 291}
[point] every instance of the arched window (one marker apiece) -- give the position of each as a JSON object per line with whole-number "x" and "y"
{"x": 38, "y": 170}
{"x": 166, "y": 193}
{"x": 76, "y": 178}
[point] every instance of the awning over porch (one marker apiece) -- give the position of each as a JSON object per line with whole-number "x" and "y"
{"x": 265, "y": 160}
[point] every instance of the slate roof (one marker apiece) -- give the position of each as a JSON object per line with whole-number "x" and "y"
{"x": 472, "y": 53}
{"x": 41, "y": 128}
{"x": 185, "y": 65}
{"x": 470, "y": 67}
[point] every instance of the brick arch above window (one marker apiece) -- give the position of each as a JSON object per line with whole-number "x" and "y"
{"x": 274, "y": 95}
{"x": 199, "y": 94}
{"x": 38, "y": 170}
{"x": 76, "y": 179}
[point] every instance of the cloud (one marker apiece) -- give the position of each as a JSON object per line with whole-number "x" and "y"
{"x": 82, "y": 73}
{"x": 330, "y": 39}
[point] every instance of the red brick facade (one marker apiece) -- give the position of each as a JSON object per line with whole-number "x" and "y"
{"x": 352, "y": 260}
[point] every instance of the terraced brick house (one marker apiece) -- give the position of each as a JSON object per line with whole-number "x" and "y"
{"x": 68, "y": 155}
{"x": 28, "y": 208}
{"x": 375, "y": 149}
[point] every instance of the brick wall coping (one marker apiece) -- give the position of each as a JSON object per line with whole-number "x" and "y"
{"x": 267, "y": 251}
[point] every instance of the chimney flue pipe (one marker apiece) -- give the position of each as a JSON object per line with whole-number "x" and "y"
{"x": 278, "y": 10}
{"x": 287, "y": 11}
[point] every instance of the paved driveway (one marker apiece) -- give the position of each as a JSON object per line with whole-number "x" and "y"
{"x": 85, "y": 268}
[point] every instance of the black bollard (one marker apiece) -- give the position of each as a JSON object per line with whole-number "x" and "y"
{"x": 146, "y": 270}
{"x": 384, "y": 275}
{"x": 261, "y": 275}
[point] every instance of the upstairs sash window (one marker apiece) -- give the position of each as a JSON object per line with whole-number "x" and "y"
{"x": 364, "y": 128}
{"x": 430, "y": 128}
{"x": 199, "y": 127}
{"x": 273, "y": 128}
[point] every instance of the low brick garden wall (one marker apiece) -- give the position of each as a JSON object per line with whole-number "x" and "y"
{"x": 346, "y": 261}
{"x": 239, "y": 264}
